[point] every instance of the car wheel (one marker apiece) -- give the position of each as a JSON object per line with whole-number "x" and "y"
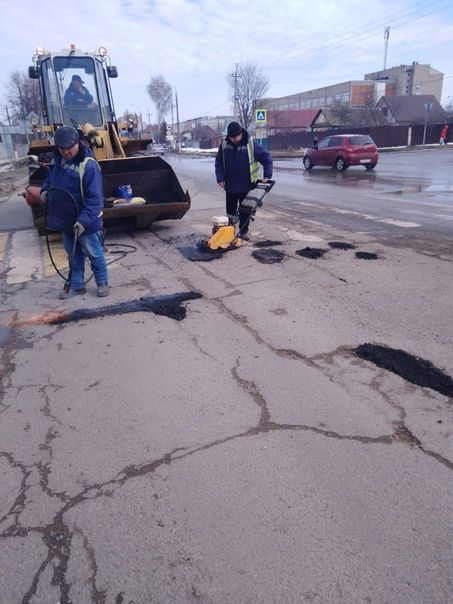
{"x": 308, "y": 164}
{"x": 340, "y": 164}
{"x": 370, "y": 166}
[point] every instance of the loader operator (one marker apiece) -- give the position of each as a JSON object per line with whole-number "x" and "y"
{"x": 237, "y": 169}
{"x": 77, "y": 96}
{"x": 72, "y": 191}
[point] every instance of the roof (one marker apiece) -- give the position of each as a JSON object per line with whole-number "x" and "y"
{"x": 352, "y": 116}
{"x": 410, "y": 109}
{"x": 298, "y": 118}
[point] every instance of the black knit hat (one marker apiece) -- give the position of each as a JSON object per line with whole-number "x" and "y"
{"x": 66, "y": 137}
{"x": 234, "y": 129}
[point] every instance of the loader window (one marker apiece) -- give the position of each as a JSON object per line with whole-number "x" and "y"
{"x": 78, "y": 90}
{"x": 51, "y": 100}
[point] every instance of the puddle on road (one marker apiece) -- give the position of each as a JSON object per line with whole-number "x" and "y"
{"x": 340, "y": 245}
{"x": 267, "y": 243}
{"x": 268, "y": 256}
{"x": 411, "y": 368}
{"x": 311, "y": 252}
{"x": 170, "y": 306}
{"x": 366, "y": 255}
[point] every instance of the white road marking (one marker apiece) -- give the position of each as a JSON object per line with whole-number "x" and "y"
{"x": 24, "y": 258}
{"x": 401, "y": 223}
{"x": 3, "y": 242}
{"x": 298, "y": 236}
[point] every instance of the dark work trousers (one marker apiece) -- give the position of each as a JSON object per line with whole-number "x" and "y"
{"x": 233, "y": 200}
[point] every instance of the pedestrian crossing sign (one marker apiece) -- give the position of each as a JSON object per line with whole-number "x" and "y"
{"x": 261, "y": 115}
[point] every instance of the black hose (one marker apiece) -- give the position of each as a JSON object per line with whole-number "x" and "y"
{"x": 130, "y": 248}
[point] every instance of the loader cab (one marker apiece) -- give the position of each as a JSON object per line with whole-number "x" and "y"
{"x": 75, "y": 88}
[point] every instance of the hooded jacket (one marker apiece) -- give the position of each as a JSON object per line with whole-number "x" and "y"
{"x": 232, "y": 164}
{"x": 74, "y": 192}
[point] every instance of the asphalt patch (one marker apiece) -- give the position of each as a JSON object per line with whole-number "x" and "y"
{"x": 311, "y": 252}
{"x": 340, "y": 245}
{"x": 170, "y": 306}
{"x": 268, "y": 256}
{"x": 267, "y": 243}
{"x": 199, "y": 253}
{"x": 366, "y": 255}
{"x": 411, "y": 368}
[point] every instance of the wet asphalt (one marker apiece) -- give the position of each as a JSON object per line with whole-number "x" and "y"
{"x": 406, "y": 190}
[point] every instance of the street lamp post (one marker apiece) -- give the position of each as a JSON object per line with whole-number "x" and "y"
{"x": 178, "y": 138}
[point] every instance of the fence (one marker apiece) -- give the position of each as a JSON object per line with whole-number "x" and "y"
{"x": 383, "y": 136}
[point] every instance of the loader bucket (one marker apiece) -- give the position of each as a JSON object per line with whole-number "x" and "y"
{"x": 149, "y": 177}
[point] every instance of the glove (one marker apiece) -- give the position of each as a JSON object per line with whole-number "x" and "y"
{"x": 43, "y": 196}
{"x": 78, "y": 229}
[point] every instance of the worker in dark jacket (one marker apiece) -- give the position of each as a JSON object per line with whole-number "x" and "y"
{"x": 74, "y": 196}
{"x": 237, "y": 170}
{"x": 76, "y": 94}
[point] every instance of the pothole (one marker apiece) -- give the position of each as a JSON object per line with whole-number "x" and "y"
{"x": 268, "y": 256}
{"x": 411, "y": 368}
{"x": 311, "y": 252}
{"x": 267, "y": 243}
{"x": 340, "y": 245}
{"x": 366, "y": 255}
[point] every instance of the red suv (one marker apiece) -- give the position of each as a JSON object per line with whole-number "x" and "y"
{"x": 341, "y": 151}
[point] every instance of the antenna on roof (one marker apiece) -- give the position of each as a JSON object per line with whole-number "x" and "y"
{"x": 386, "y": 38}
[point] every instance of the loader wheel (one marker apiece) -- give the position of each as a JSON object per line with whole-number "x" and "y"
{"x": 308, "y": 164}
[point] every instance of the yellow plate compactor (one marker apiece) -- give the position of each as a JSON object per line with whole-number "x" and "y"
{"x": 226, "y": 234}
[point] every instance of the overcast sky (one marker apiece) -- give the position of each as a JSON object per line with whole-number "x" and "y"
{"x": 300, "y": 45}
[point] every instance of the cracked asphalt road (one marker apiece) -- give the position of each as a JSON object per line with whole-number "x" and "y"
{"x": 244, "y": 453}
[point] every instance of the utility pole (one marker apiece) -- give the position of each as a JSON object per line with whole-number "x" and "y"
{"x": 386, "y": 39}
{"x": 7, "y": 115}
{"x": 428, "y": 107}
{"x": 235, "y": 99}
{"x": 178, "y": 142}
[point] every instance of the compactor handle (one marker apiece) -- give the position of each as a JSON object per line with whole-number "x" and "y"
{"x": 265, "y": 186}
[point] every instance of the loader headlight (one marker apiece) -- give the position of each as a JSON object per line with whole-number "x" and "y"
{"x": 40, "y": 51}
{"x": 102, "y": 51}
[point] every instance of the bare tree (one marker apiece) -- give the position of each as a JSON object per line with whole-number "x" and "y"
{"x": 248, "y": 86}
{"x": 161, "y": 95}
{"x": 340, "y": 112}
{"x": 22, "y": 95}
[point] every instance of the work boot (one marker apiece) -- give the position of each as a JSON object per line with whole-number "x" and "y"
{"x": 245, "y": 236}
{"x": 71, "y": 292}
{"x": 103, "y": 290}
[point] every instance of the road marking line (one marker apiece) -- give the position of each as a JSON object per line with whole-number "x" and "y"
{"x": 24, "y": 258}
{"x": 3, "y": 242}
{"x": 58, "y": 254}
{"x": 401, "y": 223}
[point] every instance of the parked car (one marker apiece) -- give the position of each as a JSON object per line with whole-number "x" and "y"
{"x": 341, "y": 151}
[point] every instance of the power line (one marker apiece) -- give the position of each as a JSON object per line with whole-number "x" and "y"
{"x": 335, "y": 46}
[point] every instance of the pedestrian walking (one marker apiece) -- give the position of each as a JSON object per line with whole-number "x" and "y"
{"x": 74, "y": 197}
{"x": 443, "y": 135}
{"x": 237, "y": 169}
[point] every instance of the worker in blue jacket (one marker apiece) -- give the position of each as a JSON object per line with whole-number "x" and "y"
{"x": 74, "y": 197}
{"x": 237, "y": 169}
